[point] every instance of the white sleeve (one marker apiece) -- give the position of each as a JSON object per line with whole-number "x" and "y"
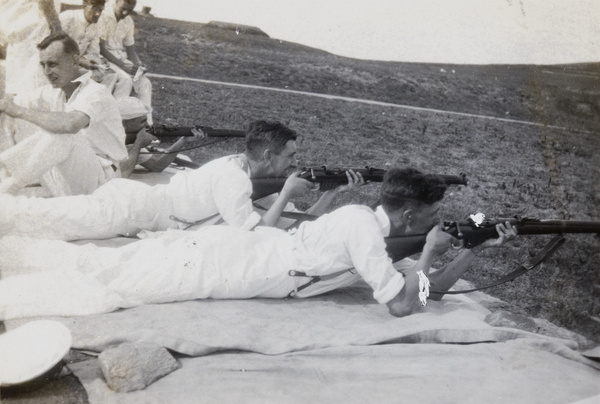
{"x": 231, "y": 193}
{"x": 366, "y": 247}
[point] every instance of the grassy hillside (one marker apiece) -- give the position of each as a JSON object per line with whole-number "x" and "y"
{"x": 552, "y": 95}
{"x": 513, "y": 168}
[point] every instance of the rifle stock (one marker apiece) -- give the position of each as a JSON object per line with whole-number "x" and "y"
{"x": 473, "y": 234}
{"x": 178, "y": 131}
{"x": 332, "y": 178}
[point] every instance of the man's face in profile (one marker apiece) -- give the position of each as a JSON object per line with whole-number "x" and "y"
{"x": 123, "y": 8}
{"x": 92, "y": 11}
{"x": 59, "y": 67}
{"x": 285, "y": 159}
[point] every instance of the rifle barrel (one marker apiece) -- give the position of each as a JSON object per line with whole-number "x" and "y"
{"x": 399, "y": 247}
{"x": 558, "y": 227}
{"x": 178, "y": 131}
{"x": 332, "y": 178}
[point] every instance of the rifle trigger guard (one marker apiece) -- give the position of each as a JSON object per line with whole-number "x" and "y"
{"x": 459, "y": 245}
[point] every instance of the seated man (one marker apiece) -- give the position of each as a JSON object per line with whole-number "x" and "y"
{"x": 79, "y": 138}
{"x": 221, "y": 262}
{"x": 138, "y": 139}
{"x": 218, "y": 191}
{"x": 117, "y": 45}
{"x": 81, "y": 25}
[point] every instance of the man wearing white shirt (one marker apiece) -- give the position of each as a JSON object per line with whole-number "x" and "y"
{"x": 82, "y": 25}
{"x": 79, "y": 138}
{"x": 221, "y": 262}
{"x": 219, "y": 191}
{"x": 117, "y": 45}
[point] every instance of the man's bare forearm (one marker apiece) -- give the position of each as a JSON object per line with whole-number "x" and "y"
{"x": 444, "y": 279}
{"x": 274, "y": 213}
{"x": 110, "y": 56}
{"x": 132, "y": 55}
{"x": 321, "y": 206}
{"x": 53, "y": 122}
{"x": 47, "y": 7}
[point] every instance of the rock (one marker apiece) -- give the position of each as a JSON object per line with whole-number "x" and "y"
{"x": 130, "y": 367}
{"x": 504, "y": 318}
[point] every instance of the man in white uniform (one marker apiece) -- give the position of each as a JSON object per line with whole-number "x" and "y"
{"x": 82, "y": 25}
{"x": 218, "y": 191}
{"x": 221, "y": 262}
{"x": 79, "y": 138}
{"x": 117, "y": 45}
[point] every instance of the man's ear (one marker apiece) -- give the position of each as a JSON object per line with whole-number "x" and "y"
{"x": 407, "y": 216}
{"x": 267, "y": 155}
{"x": 76, "y": 59}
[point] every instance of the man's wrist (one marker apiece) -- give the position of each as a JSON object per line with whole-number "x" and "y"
{"x": 284, "y": 194}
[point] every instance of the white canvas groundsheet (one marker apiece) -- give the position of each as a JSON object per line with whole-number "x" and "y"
{"x": 340, "y": 346}
{"x": 513, "y": 372}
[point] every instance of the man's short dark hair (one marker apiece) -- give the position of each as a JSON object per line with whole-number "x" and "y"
{"x": 262, "y": 135}
{"x": 69, "y": 45}
{"x": 402, "y": 186}
{"x": 94, "y": 2}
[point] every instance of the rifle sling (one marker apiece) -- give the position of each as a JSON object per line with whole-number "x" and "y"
{"x": 549, "y": 249}
{"x": 298, "y": 216}
{"x": 313, "y": 279}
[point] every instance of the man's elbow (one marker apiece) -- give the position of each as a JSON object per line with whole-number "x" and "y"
{"x": 70, "y": 129}
{"x": 73, "y": 123}
{"x": 400, "y": 309}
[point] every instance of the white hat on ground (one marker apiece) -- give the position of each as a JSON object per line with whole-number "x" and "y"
{"x": 31, "y": 350}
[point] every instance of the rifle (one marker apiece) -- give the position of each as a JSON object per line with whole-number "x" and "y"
{"x": 177, "y": 131}
{"x": 477, "y": 229}
{"x": 330, "y": 178}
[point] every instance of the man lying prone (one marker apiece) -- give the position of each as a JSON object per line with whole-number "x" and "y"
{"x": 222, "y": 262}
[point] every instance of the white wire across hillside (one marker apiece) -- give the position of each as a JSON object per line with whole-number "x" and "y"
{"x": 359, "y": 100}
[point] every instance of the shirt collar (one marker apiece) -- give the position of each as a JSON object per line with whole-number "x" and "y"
{"x": 243, "y": 163}
{"x": 383, "y": 220}
{"x": 84, "y": 77}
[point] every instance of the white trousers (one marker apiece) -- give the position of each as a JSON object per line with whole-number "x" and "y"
{"x": 118, "y": 208}
{"x": 49, "y": 277}
{"x": 63, "y": 164}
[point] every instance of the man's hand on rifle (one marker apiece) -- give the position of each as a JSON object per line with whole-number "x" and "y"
{"x": 506, "y": 233}
{"x": 355, "y": 180}
{"x": 438, "y": 241}
{"x": 144, "y": 139}
{"x": 295, "y": 187}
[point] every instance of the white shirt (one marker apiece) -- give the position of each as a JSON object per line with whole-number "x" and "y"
{"x": 85, "y": 34}
{"x": 221, "y": 186}
{"x": 222, "y": 262}
{"x": 105, "y": 132}
{"x": 116, "y": 34}
{"x": 349, "y": 237}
